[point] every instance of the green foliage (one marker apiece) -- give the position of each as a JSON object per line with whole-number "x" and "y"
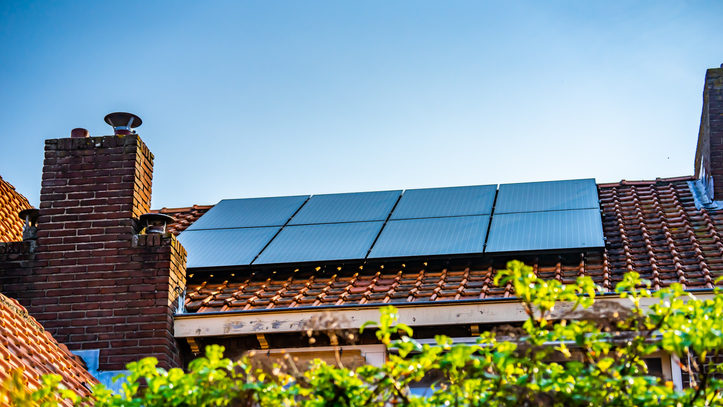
{"x": 571, "y": 351}
{"x": 14, "y": 391}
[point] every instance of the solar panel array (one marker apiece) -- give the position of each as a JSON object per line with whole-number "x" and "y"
{"x": 394, "y": 224}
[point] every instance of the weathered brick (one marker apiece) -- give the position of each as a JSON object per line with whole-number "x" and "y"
{"x": 709, "y": 156}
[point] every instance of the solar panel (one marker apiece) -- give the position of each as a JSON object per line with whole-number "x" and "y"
{"x": 547, "y": 196}
{"x": 350, "y": 207}
{"x": 432, "y": 236}
{"x": 225, "y": 247}
{"x": 252, "y": 212}
{"x": 531, "y": 231}
{"x": 438, "y": 202}
{"x": 325, "y": 242}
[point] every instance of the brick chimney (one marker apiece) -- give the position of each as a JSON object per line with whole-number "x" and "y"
{"x": 709, "y": 154}
{"x": 93, "y": 282}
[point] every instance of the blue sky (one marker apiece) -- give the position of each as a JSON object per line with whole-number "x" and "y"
{"x": 243, "y": 99}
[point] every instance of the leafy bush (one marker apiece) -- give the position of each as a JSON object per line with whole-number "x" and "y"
{"x": 591, "y": 355}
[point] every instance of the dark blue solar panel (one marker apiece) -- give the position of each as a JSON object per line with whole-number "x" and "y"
{"x": 438, "y": 202}
{"x": 252, "y": 212}
{"x": 432, "y": 236}
{"x": 325, "y": 242}
{"x": 225, "y": 247}
{"x": 573, "y": 229}
{"x": 351, "y": 207}
{"x": 547, "y": 196}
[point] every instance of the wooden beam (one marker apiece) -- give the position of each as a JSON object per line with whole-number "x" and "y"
{"x": 262, "y": 341}
{"x": 413, "y": 314}
{"x": 194, "y": 346}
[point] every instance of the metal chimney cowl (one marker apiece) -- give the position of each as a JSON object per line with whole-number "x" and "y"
{"x": 123, "y": 123}
{"x": 30, "y": 226}
{"x": 151, "y": 223}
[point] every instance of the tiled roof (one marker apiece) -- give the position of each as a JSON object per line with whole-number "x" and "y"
{"x": 655, "y": 229}
{"x": 652, "y": 227}
{"x": 11, "y": 202}
{"x": 184, "y": 217}
{"x": 25, "y": 345}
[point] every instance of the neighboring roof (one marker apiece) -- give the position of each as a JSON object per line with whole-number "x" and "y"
{"x": 184, "y": 217}
{"x": 651, "y": 227}
{"x": 11, "y": 202}
{"x": 24, "y": 344}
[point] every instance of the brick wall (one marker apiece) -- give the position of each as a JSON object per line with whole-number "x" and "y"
{"x": 17, "y": 260}
{"x": 709, "y": 154}
{"x": 92, "y": 282}
{"x": 161, "y": 291}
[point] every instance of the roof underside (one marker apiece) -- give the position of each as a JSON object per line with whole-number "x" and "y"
{"x": 651, "y": 227}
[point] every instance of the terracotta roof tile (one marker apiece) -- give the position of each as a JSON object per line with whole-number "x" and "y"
{"x": 651, "y": 227}
{"x": 184, "y": 217}
{"x": 24, "y": 344}
{"x": 11, "y": 202}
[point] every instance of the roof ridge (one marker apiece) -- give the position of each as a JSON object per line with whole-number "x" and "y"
{"x": 12, "y": 187}
{"x": 625, "y": 182}
{"x": 182, "y": 208}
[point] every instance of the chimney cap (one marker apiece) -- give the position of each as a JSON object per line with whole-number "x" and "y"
{"x": 155, "y": 222}
{"x": 156, "y": 217}
{"x": 30, "y": 213}
{"x": 123, "y": 122}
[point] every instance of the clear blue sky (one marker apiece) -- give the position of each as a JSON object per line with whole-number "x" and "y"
{"x": 243, "y": 99}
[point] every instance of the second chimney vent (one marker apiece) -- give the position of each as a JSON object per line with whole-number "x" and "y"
{"x": 30, "y": 218}
{"x": 155, "y": 222}
{"x": 79, "y": 133}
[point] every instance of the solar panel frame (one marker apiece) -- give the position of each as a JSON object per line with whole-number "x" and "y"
{"x": 225, "y": 247}
{"x": 432, "y": 237}
{"x": 448, "y": 201}
{"x": 250, "y": 212}
{"x": 347, "y": 207}
{"x": 321, "y": 242}
{"x": 548, "y": 230}
{"x": 547, "y": 196}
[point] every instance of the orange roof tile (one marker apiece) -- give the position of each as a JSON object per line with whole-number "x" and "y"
{"x": 652, "y": 227}
{"x": 24, "y": 344}
{"x": 184, "y": 217}
{"x": 11, "y": 202}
